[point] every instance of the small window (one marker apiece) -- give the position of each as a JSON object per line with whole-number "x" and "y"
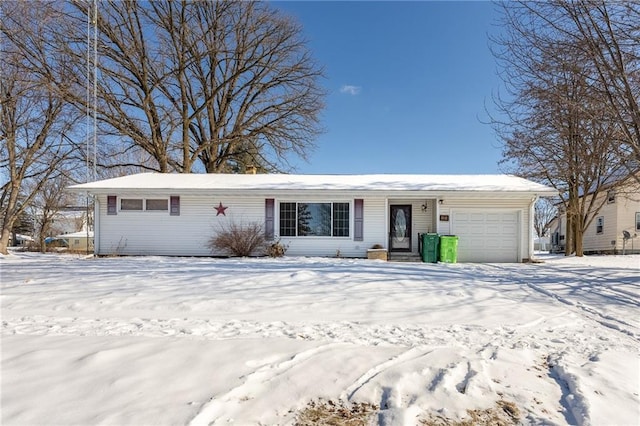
{"x": 637, "y": 221}
{"x": 131, "y": 204}
{"x": 611, "y": 196}
{"x": 161, "y": 204}
{"x": 599, "y": 224}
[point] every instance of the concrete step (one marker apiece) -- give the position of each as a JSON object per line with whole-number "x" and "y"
{"x": 404, "y": 257}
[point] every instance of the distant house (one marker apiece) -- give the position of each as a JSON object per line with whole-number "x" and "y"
{"x": 616, "y": 228}
{"x": 78, "y": 241}
{"x": 20, "y": 240}
{"x": 322, "y": 215}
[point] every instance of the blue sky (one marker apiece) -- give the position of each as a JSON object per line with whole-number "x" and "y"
{"x": 408, "y": 84}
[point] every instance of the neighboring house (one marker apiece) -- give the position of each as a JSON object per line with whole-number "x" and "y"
{"x": 616, "y": 227}
{"x": 78, "y": 241}
{"x": 20, "y": 240}
{"x": 321, "y": 215}
{"x": 541, "y": 243}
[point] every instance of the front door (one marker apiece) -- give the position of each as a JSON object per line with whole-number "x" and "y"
{"x": 400, "y": 228}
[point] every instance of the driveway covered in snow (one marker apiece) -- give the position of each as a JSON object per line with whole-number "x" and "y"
{"x": 152, "y": 340}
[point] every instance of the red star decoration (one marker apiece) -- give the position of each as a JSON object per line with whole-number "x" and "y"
{"x": 220, "y": 210}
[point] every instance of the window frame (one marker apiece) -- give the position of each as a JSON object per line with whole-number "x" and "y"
{"x": 611, "y": 196}
{"x": 289, "y": 219}
{"x": 123, "y": 209}
{"x": 144, "y": 206}
{"x": 599, "y": 225}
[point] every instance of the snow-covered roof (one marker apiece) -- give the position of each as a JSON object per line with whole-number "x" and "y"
{"x": 290, "y": 182}
{"x": 79, "y": 234}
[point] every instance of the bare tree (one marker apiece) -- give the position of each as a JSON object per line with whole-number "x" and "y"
{"x": 48, "y": 202}
{"x": 610, "y": 35}
{"x": 35, "y": 123}
{"x": 545, "y": 212}
{"x": 555, "y": 128}
{"x": 205, "y": 85}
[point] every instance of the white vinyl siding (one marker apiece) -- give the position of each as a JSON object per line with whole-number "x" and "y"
{"x": 162, "y": 234}
{"x": 188, "y": 234}
{"x": 596, "y": 240}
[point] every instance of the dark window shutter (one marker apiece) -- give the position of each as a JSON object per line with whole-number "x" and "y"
{"x": 175, "y": 205}
{"x": 269, "y": 214}
{"x": 358, "y": 219}
{"x": 112, "y": 204}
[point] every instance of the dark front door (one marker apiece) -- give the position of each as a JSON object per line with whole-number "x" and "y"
{"x": 400, "y": 228}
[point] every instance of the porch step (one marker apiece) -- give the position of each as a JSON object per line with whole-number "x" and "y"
{"x": 404, "y": 257}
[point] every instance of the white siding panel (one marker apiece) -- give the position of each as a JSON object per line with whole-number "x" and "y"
{"x": 158, "y": 233}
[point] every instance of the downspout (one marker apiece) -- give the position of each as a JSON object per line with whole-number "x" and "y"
{"x": 96, "y": 225}
{"x": 531, "y": 226}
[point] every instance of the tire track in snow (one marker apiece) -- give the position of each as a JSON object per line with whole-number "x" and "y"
{"x": 585, "y": 310}
{"x": 408, "y": 355}
{"x": 589, "y": 312}
{"x": 225, "y": 406}
{"x": 630, "y": 297}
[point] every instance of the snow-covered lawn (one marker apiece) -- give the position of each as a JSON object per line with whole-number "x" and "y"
{"x": 160, "y": 341}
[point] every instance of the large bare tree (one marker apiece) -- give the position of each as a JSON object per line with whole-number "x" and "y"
{"x": 610, "y": 35}
{"x": 553, "y": 124}
{"x": 36, "y": 124}
{"x": 204, "y": 86}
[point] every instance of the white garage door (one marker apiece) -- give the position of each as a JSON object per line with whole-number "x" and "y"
{"x": 486, "y": 236}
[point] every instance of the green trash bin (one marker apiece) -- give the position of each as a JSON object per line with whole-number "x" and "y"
{"x": 448, "y": 248}
{"x": 430, "y": 246}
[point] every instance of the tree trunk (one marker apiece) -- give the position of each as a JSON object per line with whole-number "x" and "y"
{"x": 4, "y": 240}
{"x": 579, "y": 237}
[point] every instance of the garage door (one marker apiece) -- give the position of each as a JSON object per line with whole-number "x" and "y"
{"x": 486, "y": 236}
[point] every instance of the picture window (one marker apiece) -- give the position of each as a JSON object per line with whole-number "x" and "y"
{"x": 314, "y": 219}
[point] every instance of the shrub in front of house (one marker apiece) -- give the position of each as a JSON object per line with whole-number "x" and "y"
{"x": 237, "y": 239}
{"x": 276, "y": 249}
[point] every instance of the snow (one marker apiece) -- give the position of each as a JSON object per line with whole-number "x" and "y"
{"x": 274, "y": 182}
{"x": 79, "y": 234}
{"x": 159, "y": 340}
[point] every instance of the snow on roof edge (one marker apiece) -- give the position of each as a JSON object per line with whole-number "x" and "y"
{"x": 362, "y": 182}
